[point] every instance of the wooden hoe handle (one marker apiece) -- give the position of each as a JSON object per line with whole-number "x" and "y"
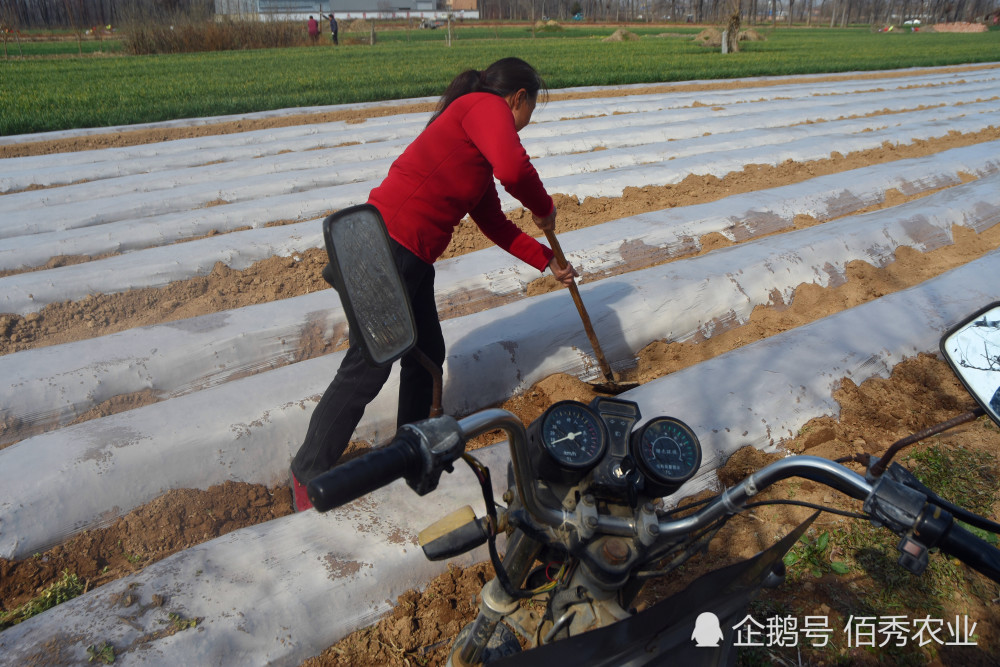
{"x": 575, "y": 291}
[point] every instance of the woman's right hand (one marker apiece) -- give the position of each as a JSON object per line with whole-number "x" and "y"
{"x": 564, "y": 274}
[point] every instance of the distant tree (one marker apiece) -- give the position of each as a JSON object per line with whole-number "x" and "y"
{"x": 733, "y": 27}
{"x": 8, "y": 26}
{"x": 75, "y": 10}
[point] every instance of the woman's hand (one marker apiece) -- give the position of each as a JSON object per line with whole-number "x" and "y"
{"x": 564, "y": 275}
{"x": 548, "y": 223}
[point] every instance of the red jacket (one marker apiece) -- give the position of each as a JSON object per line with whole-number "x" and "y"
{"x": 447, "y": 172}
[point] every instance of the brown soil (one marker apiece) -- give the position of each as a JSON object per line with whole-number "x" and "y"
{"x": 922, "y": 391}
{"x": 959, "y": 26}
{"x": 173, "y": 522}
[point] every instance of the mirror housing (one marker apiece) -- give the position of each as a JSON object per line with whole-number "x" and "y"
{"x": 972, "y": 349}
{"x": 363, "y": 271}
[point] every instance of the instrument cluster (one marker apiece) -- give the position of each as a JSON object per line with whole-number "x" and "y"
{"x": 572, "y": 441}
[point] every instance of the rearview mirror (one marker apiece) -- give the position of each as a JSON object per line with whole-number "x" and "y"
{"x": 364, "y": 273}
{"x": 973, "y": 350}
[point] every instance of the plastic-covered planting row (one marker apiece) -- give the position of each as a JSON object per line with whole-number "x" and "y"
{"x": 273, "y": 141}
{"x": 247, "y": 429}
{"x": 51, "y": 386}
{"x": 229, "y": 158}
{"x": 96, "y": 226}
{"x": 282, "y": 591}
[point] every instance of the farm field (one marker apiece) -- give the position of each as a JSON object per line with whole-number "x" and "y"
{"x": 772, "y": 243}
{"x": 48, "y": 94}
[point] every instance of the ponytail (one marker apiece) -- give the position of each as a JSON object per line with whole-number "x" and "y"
{"x": 502, "y": 78}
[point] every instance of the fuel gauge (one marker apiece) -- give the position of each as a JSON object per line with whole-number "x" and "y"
{"x": 668, "y": 453}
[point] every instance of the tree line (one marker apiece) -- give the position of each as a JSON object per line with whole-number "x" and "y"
{"x": 806, "y": 12}
{"x": 81, "y": 14}
{"x": 85, "y": 14}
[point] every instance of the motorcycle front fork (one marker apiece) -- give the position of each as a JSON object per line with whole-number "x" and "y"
{"x": 497, "y": 603}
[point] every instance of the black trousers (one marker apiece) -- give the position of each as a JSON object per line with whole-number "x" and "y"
{"x": 357, "y": 382}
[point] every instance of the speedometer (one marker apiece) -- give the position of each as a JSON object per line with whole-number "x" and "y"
{"x": 570, "y": 440}
{"x": 668, "y": 453}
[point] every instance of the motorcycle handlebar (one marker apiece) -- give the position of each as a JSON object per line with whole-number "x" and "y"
{"x": 731, "y": 501}
{"x": 975, "y": 552}
{"x": 405, "y": 457}
{"x": 420, "y": 452}
{"x": 357, "y": 477}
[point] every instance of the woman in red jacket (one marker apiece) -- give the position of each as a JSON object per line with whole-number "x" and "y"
{"x": 444, "y": 175}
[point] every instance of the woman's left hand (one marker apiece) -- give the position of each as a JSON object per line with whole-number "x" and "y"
{"x": 565, "y": 275}
{"x": 548, "y": 223}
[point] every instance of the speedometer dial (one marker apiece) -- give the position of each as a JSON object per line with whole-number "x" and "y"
{"x": 573, "y": 435}
{"x": 568, "y": 440}
{"x": 668, "y": 453}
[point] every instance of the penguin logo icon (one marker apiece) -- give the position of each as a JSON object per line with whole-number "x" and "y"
{"x": 707, "y": 632}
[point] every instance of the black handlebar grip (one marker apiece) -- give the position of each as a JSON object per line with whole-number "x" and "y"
{"x": 364, "y": 474}
{"x": 977, "y": 553}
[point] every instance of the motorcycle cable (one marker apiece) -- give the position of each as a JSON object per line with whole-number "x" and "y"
{"x": 691, "y": 548}
{"x": 698, "y": 541}
{"x": 881, "y": 464}
{"x": 698, "y": 503}
{"x": 959, "y": 512}
{"x": 813, "y": 506}
{"x": 549, "y": 614}
{"x": 692, "y": 545}
{"x": 482, "y": 474}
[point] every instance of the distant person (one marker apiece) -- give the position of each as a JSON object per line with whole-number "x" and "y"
{"x": 333, "y": 30}
{"x": 313, "y": 30}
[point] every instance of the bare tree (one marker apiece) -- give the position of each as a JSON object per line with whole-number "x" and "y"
{"x": 74, "y": 15}
{"x": 733, "y": 27}
{"x": 8, "y": 26}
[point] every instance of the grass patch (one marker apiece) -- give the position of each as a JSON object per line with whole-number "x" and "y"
{"x": 47, "y": 49}
{"x": 967, "y": 478}
{"x": 180, "y": 623}
{"x": 813, "y": 556}
{"x": 51, "y": 94}
{"x": 875, "y": 588}
{"x": 103, "y": 653}
{"x": 67, "y": 588}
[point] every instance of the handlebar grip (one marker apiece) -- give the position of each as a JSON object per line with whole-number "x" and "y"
{"x": 364, "y": 474}
{"x": 975, "y": 552}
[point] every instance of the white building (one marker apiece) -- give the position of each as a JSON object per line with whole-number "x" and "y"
{"x": 301, "y": 9}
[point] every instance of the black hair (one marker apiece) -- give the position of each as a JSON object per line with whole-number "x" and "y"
{"x": 505, "y": 76}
